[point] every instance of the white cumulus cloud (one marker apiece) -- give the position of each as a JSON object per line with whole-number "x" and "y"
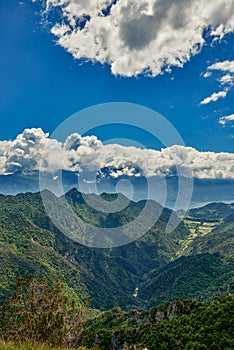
{"x": 226, "y": 79}
{"x": 226, "y": 68}
{"x": 34, "y": 150}
{"x": 224, "y": 120}
{"x": 214, "y": 97}
{"x": 138, "y": 36}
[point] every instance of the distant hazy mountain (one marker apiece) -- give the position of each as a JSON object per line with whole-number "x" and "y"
{"x": 212, "y": 211}
{"x": 204, "y": 191}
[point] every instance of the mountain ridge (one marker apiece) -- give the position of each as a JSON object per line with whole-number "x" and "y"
{"x": 204, "y": 190}
{"x": 30, "y": 243}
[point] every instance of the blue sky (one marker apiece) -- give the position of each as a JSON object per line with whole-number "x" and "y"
{"x": 41, "y": 84}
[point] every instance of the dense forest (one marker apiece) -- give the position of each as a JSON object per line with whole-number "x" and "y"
{"x": 42, "y": 313}
{"x": 187, "y": 263}
{"x": 163, "y": 291}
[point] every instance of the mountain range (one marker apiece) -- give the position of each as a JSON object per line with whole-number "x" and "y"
{"x": 203, "y": 191}
{"x": 196, "y": 260}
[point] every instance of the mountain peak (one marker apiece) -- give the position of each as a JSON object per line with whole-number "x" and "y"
{"x": 75, "y": 195}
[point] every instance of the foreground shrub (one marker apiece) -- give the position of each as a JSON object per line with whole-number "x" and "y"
{"x": 41, "y": 313}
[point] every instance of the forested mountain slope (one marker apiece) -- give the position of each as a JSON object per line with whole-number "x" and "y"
{"x": 140, "y": 274}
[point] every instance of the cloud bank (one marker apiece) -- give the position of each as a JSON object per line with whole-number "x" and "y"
{"x": 34, "y": 150}
{"x": 138, "y": 36}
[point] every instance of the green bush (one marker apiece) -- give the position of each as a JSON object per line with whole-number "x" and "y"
{"x": 41, "y": 313}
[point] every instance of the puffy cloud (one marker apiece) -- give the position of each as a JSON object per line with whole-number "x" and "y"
{"x": 138, "y": 36}
{"x": 206, "y": 74}
{"x": 224, "y": 120}
{"x": 227, "y": 69}
{"x": 214, "y": 97}
{"x": 225, "y": 66}
{"x": 226, "y": 79}
{"x": 74, "y": 141}
{"x": 25, "y": 152}
{"x": 34, "y": 150}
